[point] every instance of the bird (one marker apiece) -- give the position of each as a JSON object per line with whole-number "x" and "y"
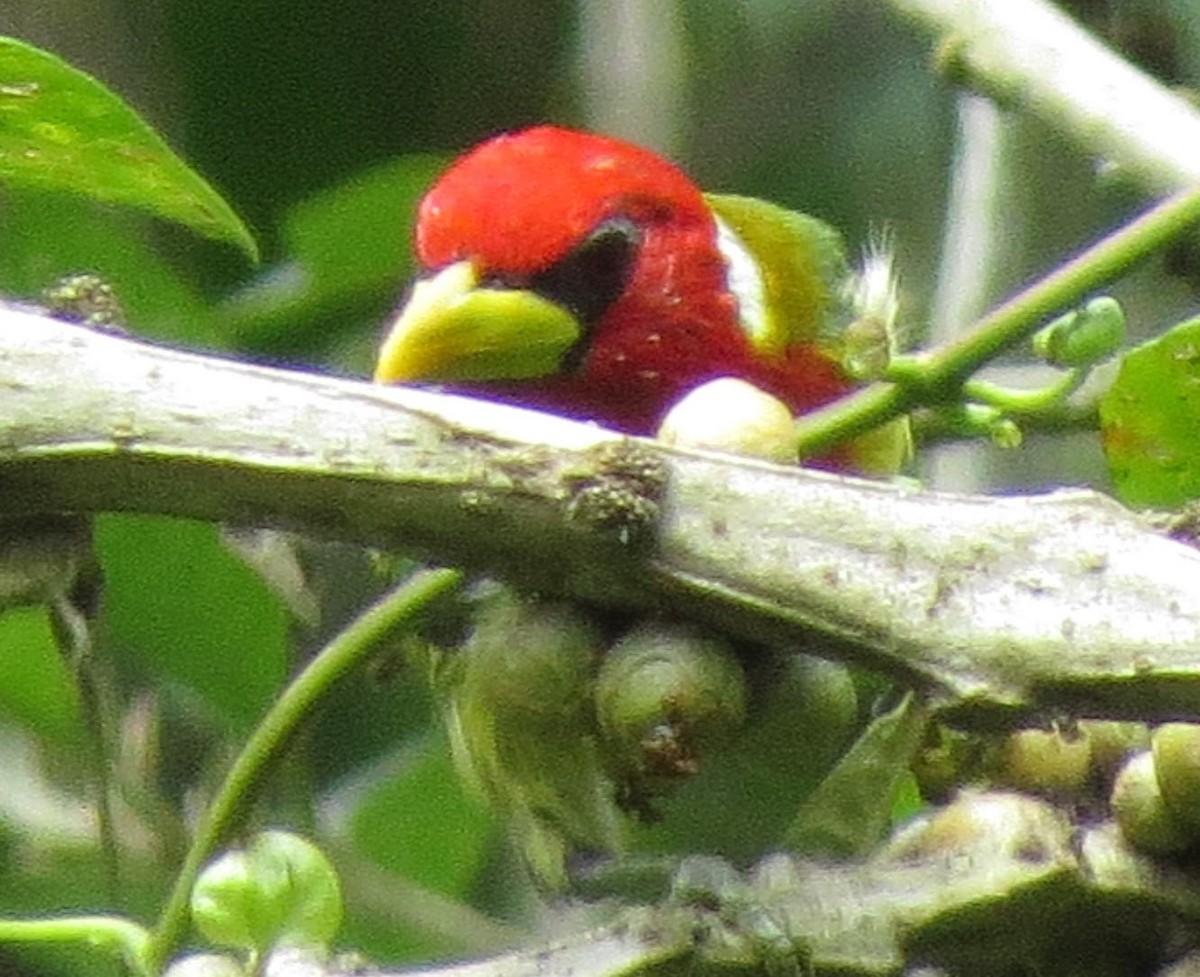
{"x": 583, "y": 275}
{"x": 586, "y": 276}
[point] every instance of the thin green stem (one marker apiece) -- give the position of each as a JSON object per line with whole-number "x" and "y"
{"x": 72, "y": 632}
{"x": 1021, "y": 315}
{"x": 933, "y": 425}
{"x": 114, "y": 933}
{"x": 1014, "y": 401}
{"x": 270, "y": 737}
{"x": 937, "y": 376}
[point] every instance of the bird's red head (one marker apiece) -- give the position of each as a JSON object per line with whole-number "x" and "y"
{"x": 519, "y": 203}
{"x": 624, "y": 242}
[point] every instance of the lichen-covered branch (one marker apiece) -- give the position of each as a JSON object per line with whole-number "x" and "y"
{"x": 993, "y": 883}
{"x": 996, "y": 606}
{"x": 635, "y": 945}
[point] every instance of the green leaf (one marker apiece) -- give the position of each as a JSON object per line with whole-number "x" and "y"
{"x": 193, "y": 612}
{"x": 419, "y": 827}
{"x": 356, "y": 235}
{"x": 850, "y": 811}
{"x": 1150, "y": 421}
{"x": 36, "y": 251}
{"x": 419, "y": 824}
{"x": 62, "y": 130}
{"x": 37, "y": 690}
{"x": 745, "y": 796}
{"x": 347, "y": 256}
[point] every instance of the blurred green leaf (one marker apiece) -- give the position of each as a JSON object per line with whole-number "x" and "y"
{"x": 357, "y": 235}
{"x": 193, "y": 613}
{"x": 60, "y": 876}
{"x": 1150, "y": 420}
{"x": 420, "y": 824}
{"x": 343, "y": 245}
{"x": 60, "y": 129}
{"x": 417, "y": 825}
{"x": 849, "y": 813}
{"x": 48, "y": 235}
{"x": 37, "y": 691}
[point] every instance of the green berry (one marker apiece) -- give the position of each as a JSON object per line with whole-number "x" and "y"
{"x": 667, "y": 694}
{"x": 518, "y": 705}
{"x": 1176, "y": 750}
{"x": 279, "y": 890}
{"x": 1083, "y": 336}
{"x": 989, "y": 824}
{"x": 1049, "y": 762}
{"x": 735, "y": 417}
{"x": 1112, "y": 742}
{"x": 1142, "y": 813}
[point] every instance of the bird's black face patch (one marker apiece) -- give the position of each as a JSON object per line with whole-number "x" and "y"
{"x": 586, "y": 281}
{"x": 593, "y": 274}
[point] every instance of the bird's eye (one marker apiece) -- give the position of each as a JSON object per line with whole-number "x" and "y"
{"x": 591, "y": 277}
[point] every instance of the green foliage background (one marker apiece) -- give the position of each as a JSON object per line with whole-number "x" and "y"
{"x": 321, "y": 123}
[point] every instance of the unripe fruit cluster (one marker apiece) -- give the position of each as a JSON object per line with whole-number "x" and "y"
{"x": 539, "y": 681}
{"x": 1065, "y": 763}
{"x": 558, "y": 719}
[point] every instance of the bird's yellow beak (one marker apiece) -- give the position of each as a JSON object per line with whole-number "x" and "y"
{"x": 452, "y": 329}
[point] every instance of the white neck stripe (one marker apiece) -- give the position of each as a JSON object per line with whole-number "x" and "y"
{"x": 744, "y": 279}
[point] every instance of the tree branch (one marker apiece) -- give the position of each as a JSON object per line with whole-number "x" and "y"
{"x": 635, "y": 945}
{"x": 1027, "y": 54}
{"x": 996, "y": 882}
{"x": 996, "y": 606}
